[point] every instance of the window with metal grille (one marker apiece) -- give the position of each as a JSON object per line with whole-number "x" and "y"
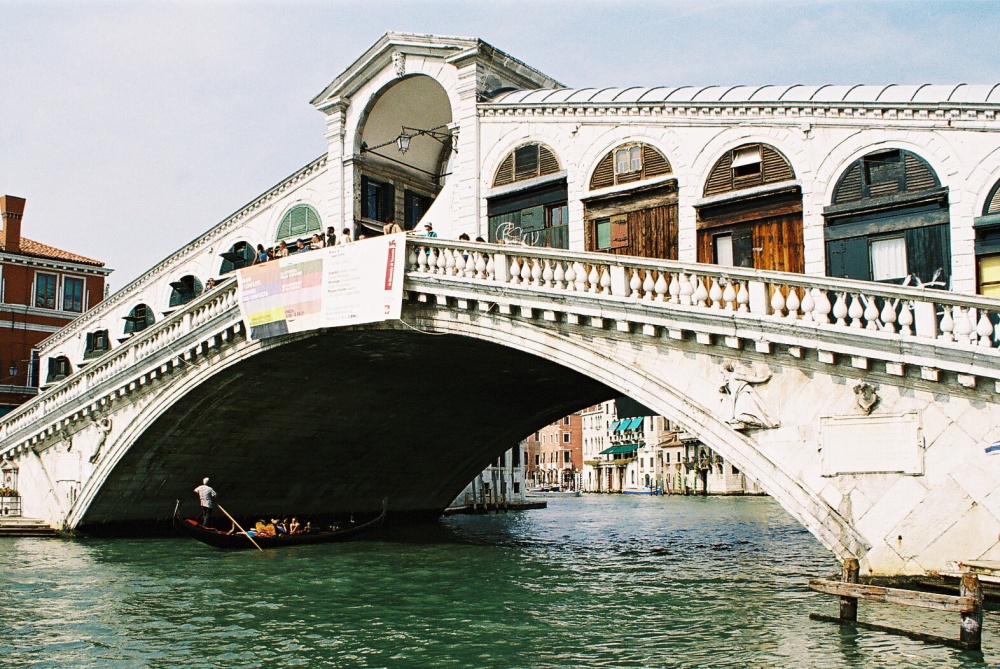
{"x": 73, "y": 294}
{"x": 140, "y": 318}
{"x": 299, "y": 221}
{"x": 45, "y": 291}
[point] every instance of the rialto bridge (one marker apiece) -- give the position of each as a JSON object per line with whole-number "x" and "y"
{"x": 864, "y": 408}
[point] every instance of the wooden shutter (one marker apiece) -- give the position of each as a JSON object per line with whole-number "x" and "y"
{"x": 604, "y": 175}
{"x": 526, "y": 161}
{"x": 505, "y": 173}
{"x": 654, "y": 163}
{"x": 776, "y": 167}
{"x": 919, "y": 175}
{"x": 720, "y": 179}
{"x": 547, "y": 162}
{"x": 848, "y": 189}
{"x": 993, "y": 203}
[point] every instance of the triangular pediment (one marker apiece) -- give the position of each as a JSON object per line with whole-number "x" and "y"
{"x": 499, "y": 68}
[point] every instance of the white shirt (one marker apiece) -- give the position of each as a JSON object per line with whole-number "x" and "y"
{"x": 206, "y": 495}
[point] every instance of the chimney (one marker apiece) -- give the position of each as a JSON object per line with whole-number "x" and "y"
{"x": 11, "y": 210}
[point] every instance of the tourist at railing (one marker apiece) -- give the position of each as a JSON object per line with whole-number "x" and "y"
{"x": 210, "y": 284}
{"x": 345, "y": 237}
{"x": 331, "y": 236}
{"x": 429, "y": 230}
{"x": 391, "y": 227}
{"x": 282, "y": 250}
{"x": 260, "y": 256}
{"x": 300, "y": 246}
{"x": 270, "y": 254}
{"x": 317, "y": 243}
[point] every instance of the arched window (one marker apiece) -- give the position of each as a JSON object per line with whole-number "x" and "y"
{"x": 992, "y": 205}
{"x": 888, "y": 221}
{"x": 59, "y": 369}
{"x": 238, "y": 256}
{"x": 747, "y": 166}
{"x": 140, "y": 318}
{"x": 184, "y": 290}
{"x": 299, "y": 221}
{"x": 98, "y": 343}
{"x": 628, "y": 163}
{"x": 884, "y": 173}
{"x": 987, "y": 229}
{"x": 526, "y": 162}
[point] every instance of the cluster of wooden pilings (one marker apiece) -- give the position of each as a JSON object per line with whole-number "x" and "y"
{"x": 968, "y": 604}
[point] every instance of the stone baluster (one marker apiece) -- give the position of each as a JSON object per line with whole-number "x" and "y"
{"x": 700, "y": 295}
{"x": 515, "y": 271}
{"x": 581, "y": 277}
{"x": 480, "y": 266}
{"x": 570, "y": 276}
{"x": 605, "y": 280}
{"x": 905, "y": 318}
{"x": 821, "y": 312}
{"x": 963, "y": 326}
{"x": 743, "y": 297}
{"x": 715, "y": 294}
{"x": 547, "y": 274}
{"x": 421, "y": 260}
{"x": 888, "y": 316}
{"x": 536, "y": 273}
{"x": 460, "y": 263}
{"x": 411, "y": 257}
{"x": 840, "y": 309}
{"x": 777, "y": 301}
{"x": 686, "y": 289}
{"x": 984, "y": 328}
{"x": 559, "y": 276}
{"x": 793, "y": 303}
{"x": 856, "y": 311}
{"x": 635, "y": 284}
{"x": 660, "y": 286}
{"x": 674, "y": 289}
{"x": 808, "y": 304}
{"x": 947, "y": 325}
{"x": 491, "y": 267}
{"x": 648, "y": 285}
{"x": 444, "y": 256}
{"x": 593, "y": 278}
{"x": 730, "y": 296}
{"x": 871, "y": 313}
{"x": 526, "y": 271}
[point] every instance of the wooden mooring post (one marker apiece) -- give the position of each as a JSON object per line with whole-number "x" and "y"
{"x": 968, "y": 604}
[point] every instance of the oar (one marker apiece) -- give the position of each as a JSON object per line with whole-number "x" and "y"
{"x": 240, "y": 528}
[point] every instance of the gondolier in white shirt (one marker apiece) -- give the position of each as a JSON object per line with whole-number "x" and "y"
{"x": 206, "y": 496}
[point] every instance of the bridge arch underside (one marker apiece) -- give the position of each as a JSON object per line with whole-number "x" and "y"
{"x": 334, "y": 422}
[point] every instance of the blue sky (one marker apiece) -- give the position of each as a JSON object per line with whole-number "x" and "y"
{"x": 132, "y": 127}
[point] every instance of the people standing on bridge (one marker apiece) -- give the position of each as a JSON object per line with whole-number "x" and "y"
{"x": 260, "y": 256}
{"x": 282, "y": 251}
{"x": 331, "y": 236}
{"x": 391, "y": 227}
{"x": 206, "y": 496}
{"x": 317, "y": 243}
{"x": 429, "y": 230}
{"x": 345, "y": 237}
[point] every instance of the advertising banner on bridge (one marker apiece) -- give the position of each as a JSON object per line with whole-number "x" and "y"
{"x": 360, "y": 282}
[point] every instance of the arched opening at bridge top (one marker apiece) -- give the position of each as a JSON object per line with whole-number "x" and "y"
{"x": 751, "y": 212}
{"x": 405, "y": 149}
{"x": 888, "y": 221}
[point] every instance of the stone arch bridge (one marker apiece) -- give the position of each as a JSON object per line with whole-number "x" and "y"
{"x": 864, "y": 409}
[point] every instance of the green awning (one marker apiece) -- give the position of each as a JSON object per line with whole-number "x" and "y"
{"x": 620, "y": 448}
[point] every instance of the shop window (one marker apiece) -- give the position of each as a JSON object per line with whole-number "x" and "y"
{"x": 238, "y": 256}
{"x": 97, "y": 344}
{"x": 888, "y": 257}
{"x": 184, "y": 290}
{"x": 140, "y": 318}
{"x": 59, "y": 369}
{"x": 73, "y": 295}
{"x": 414, "y": 208}
{"x": 299, "y": 221}
{"x": 724, "y": 250}
{"x": 45, "y": 291}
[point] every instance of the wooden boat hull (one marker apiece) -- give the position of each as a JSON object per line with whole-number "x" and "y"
{"x": 240, "y": 541}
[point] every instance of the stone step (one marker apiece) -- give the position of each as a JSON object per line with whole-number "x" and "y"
{"x": 25, "y": 527}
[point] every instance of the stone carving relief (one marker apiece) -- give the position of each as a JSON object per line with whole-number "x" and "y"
{"x": 67, "y": 438}
{"x": 742, "y": 407}
{"x": 399, "y": 63}
{"x": 103, "y": 430}
{"x": 867, "y": 396}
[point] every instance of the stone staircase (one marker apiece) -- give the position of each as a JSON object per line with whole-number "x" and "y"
{"x": 25, "y": 527}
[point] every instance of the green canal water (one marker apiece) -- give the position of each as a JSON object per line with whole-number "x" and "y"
{"x": 597, "y": 581}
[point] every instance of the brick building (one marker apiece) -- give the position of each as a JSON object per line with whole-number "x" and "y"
{"x": 555, "y": 454}
{"x": 42, "y": 288}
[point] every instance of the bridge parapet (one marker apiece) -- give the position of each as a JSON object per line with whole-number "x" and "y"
{"x": 142, "y": 358}
{"x": 915, "y": 331}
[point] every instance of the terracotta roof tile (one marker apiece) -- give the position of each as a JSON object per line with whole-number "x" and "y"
{"x": 30, "y": 247}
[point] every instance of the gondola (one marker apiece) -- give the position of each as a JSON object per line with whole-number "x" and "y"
{"x": 238, "y": 540}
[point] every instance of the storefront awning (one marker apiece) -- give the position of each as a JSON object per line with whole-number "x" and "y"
{"x": 620, "y": 448}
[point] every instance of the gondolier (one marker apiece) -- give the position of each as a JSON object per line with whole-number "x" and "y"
{"x": 206, "y": 496}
